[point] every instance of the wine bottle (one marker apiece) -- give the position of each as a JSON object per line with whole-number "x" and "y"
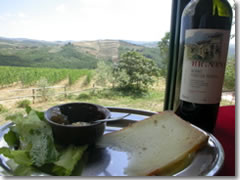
{"x": 204, "y": 40}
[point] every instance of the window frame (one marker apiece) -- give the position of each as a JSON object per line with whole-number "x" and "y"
{"x": 177, "y": 9}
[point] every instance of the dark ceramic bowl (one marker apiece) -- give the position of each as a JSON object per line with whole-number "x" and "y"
{"x": 63, "y": 117}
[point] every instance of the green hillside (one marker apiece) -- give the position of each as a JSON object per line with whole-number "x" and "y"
{"x": 76, "y": 55}
{"x": 149, "y": 52}
{"x": 46, "y": 56}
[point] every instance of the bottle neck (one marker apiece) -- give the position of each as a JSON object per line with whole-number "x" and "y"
{"x": 221, "y": 8}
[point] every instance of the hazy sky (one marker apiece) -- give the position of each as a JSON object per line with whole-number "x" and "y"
{"x": 142, "y": 20}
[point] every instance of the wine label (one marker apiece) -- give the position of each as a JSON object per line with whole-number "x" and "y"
{"x": 205, "y": 55}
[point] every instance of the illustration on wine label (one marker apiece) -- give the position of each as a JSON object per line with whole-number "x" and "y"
{"x": 204, "y": 64}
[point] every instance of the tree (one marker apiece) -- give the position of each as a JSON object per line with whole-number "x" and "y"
{"x": 103, "y": 74}
{"x": 164, "y": 47}
{"x": 229, "y": 78}
{"x": 135, "y": 71}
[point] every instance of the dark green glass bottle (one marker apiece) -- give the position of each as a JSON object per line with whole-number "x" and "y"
{"x": 204, "y": 39}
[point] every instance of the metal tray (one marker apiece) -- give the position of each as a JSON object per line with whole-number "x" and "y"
{"x": 108, "y": 162}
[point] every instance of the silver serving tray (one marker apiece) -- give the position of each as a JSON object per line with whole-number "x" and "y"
{"x": 108, "y": 162}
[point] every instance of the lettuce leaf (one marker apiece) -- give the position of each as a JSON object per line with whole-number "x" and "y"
{"x": 19, "y": 156}
{"x": 22, "y": 170}
{"x": 32, "y": 147}
{"x": 68, "y": 160}
{"x": 12, "y": 139}
{"x": 40, "y": 114}
{"x": 35, "y": 136}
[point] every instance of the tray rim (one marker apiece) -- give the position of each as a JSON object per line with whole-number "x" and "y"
{"x": 218, "y": 163}
{"x": 221, "y": 155}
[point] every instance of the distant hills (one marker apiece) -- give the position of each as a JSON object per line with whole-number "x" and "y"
{"x": 72, "y": 54}
{"x": 152, "y": 44}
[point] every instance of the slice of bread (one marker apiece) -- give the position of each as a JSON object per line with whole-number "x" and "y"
{"x": 155, "y": 144}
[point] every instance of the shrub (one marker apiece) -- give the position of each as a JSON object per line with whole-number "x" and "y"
{"x": 70, "y": 80}
{"x": 88, "y": 79}
{"x": 44, "y": 91}
{"x": 84, "y": 96}
{"x": 23, "y": 104}
{"x": 2, "y": 108}
{"x": 229, "y": 78}
{"x": 135, "y": 72}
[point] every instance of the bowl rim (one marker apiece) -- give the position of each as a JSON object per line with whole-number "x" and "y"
{"x": 72, "y": 126}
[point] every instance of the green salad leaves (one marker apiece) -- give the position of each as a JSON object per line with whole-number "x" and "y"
{"x": 31, "y": 147}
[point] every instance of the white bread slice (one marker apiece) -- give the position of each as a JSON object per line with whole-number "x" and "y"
{"x": 155, "y": 144}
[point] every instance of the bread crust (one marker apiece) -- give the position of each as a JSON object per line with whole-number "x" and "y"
{"x": 162, "y": 171}
{"x": 198, "y": 139}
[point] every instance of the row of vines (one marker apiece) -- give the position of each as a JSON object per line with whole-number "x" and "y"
{"x": 29, "y": 76}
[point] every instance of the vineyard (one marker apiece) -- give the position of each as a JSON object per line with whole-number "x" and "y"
{"x": 28, "y": 76}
